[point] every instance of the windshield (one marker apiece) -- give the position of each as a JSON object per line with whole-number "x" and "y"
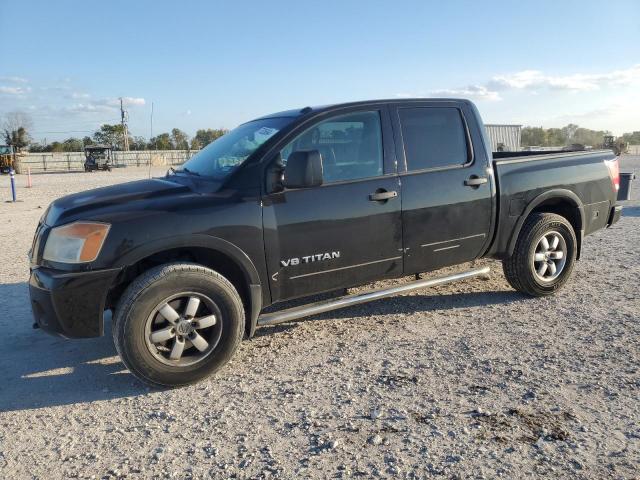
{"x": 221, "y": 157}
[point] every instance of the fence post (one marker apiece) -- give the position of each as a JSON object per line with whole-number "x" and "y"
{"x": 68, "y": 162}
{"x": 44, "y": 162}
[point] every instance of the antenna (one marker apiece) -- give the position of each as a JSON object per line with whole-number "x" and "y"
{"x": 124, "y": 118}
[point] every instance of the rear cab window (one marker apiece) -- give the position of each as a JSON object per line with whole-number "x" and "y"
{"x": 434, "y": 138}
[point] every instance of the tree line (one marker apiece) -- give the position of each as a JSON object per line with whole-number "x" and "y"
{"x": 113, "y": 136}
{"x": 568, "y": 135}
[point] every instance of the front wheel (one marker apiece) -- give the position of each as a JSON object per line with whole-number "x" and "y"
{"x": 177, "y": 324}
{"x": 544, "y": 256}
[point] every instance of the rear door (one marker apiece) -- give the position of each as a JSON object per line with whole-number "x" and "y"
{"x": 447, "y": 186}
{"x": 348, "y": 231}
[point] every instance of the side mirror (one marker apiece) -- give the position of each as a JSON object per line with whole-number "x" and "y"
{"x": 303, "y": 170}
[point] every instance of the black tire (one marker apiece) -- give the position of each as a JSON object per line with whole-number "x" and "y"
{"x": 521, "y": 270}
{"x": 138, "y": 304}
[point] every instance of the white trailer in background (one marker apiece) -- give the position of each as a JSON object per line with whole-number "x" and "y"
{"x": 504, "y": 138}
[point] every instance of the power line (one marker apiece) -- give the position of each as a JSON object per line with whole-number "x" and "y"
{"x": 66, "y": 131}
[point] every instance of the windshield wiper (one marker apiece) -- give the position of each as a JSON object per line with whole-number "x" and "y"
{"x": 184, "y": 170}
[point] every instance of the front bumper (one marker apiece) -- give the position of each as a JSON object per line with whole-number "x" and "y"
{"x": 614, "y": 215}
{"x": 70, "y": 304}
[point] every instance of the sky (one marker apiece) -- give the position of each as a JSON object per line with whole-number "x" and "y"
{"x": 209, "y": 64}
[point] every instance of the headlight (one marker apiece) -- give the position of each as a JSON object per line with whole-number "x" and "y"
{"x": 77, "y": 242}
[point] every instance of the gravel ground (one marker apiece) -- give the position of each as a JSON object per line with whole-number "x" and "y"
{"x": 470, "y": 380}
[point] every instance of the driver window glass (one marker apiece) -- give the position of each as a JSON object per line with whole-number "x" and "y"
{"x": 350, "y": 145}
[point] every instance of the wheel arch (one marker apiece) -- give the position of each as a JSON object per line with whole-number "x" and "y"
{"x": 212, "y": 252}
{"x": 559, "y": 201}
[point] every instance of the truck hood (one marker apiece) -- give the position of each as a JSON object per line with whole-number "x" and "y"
{"x": 113, "y": 197}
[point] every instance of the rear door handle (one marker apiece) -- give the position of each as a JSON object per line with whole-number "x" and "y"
{"x": 381, "y": 195}
{"x": 475, "y": 181}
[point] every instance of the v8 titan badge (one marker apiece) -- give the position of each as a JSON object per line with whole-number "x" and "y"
{"x": 318, "y": 257}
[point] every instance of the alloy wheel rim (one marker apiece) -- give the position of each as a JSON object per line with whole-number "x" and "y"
{"x": 183, "y": 329}
{"x": 549, "y": 257}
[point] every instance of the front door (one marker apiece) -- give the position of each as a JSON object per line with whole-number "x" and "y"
{"x": 446, "y": 187}
{"x": 346, "y": 232}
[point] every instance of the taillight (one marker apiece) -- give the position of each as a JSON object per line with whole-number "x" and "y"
{"x": 614, "y": 172}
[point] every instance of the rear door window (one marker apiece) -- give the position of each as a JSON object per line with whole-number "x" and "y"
{"x": 433, "y": 137}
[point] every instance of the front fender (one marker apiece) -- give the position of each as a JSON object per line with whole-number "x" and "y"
{"x": 152, "y": 247}
{"x": 233, "y": 252}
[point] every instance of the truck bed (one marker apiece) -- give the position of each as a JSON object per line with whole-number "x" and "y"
{"x": 581, "y": 177}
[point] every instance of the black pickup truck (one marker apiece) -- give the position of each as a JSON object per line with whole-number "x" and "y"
{"x": 302, "y": 202}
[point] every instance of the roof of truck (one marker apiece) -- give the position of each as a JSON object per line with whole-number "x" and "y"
{"x": 303, "y": 111}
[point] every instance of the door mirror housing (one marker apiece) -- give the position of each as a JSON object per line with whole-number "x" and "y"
{"x": 303, "y": 170}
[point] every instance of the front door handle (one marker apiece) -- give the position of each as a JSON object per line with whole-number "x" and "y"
{"x": 382, "y": 195}
{"x": 474, "y": 181}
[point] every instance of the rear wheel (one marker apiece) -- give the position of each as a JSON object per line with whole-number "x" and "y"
{"x": 178, "y": 323}
{"x": 544, "y": 256}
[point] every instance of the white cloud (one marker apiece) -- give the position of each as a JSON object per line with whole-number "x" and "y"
{"x": 536, "y": 83}
{"x": 473, "y": 92}
{"x": 14, "y": 80}
{"x": 579, "y": 82}
{"x": 90, "y": 107}
{"x": 78, "y": 95}
{"x": 14, "y": 90}
{"x": 132, "y": 101}
{"x": 103, "y": 104}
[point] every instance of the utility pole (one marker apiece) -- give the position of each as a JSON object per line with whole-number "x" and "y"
{"x": 150, "y": 137}
{"x": 124, "y": 117}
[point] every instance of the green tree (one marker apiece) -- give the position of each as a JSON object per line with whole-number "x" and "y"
{"x": 72, "y": 145}
{"x": 137, "y": 143}
{"x": 559, "y": 137}
{"x": 179, "y": 139}
{"x": 585, "y": 136}
{"x": 110, "y": 135}
{"x": 569, "y": 131}
{"x": 18, "y": 138}
{"x": 205, "y": 137}
{"x": 555, "y": 137}
{"x": 632, "y": 138}
{"x": 533, "y": 136}
{"x": 15, "y": 129}
{"x": 161, "y": 142}
{"x": 37, "y": 147}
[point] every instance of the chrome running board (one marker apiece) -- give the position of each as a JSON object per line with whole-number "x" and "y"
{"x": 349, "y": 300}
